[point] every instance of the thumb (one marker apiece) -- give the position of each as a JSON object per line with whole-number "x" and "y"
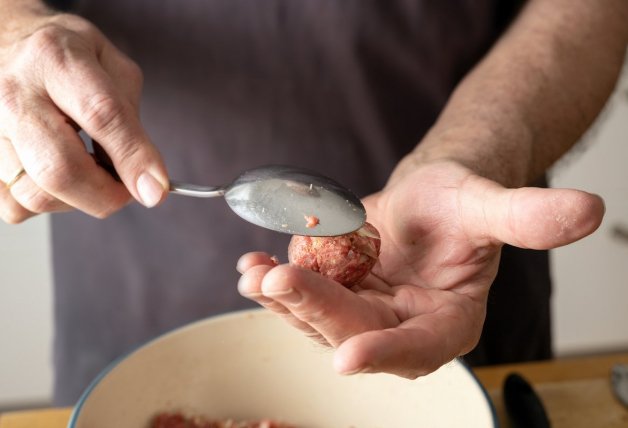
{"x": 132, "y": 158}
{"x": 539, "y": 218}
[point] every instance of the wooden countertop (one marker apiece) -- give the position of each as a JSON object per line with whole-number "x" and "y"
{"x": 44, "y": 418}
{"x": 576, "y": 393}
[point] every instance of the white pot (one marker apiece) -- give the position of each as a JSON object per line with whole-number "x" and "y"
{"x": 252, "y": 365}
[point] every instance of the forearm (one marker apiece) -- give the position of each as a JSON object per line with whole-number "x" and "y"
{"x": 535, "y": 93}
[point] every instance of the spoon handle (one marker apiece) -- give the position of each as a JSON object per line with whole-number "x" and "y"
{"x": 196, "y": 191}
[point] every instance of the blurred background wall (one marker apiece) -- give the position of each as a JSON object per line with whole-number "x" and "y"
{"x": 25, "y": 314}
{"x": 591, "y": 276}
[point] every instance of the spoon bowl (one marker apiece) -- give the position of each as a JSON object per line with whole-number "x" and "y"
{"x": 282, "y": 198}
{"x": 287, "y": 199}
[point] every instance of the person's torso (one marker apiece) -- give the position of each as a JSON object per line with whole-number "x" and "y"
{"x": 344, "y": 87}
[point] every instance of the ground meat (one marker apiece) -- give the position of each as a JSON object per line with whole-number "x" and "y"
{"x": 178, "y": 420}
{"x": 311, "y": 221}
{"x": 347, "y": 259}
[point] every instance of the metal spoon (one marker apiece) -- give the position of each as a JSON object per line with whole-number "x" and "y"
{"x": 287, "y": 199}
{"x": 282, "y": 198}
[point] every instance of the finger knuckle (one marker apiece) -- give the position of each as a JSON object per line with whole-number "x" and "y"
{"x": 47, "y": 44}
{"x": 102, "y": 113}
{"x": 37, "y": 201}
{"x": 57, "y": 44}
{"x": 55, "y": 176}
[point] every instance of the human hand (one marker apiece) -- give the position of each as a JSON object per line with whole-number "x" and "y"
{"x": 59, "y": 74}
{"x": 424, "y": 303}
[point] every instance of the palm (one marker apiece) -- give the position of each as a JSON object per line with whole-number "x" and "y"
{"x": 426, "y": 236}
{"x": 431, "y": 272}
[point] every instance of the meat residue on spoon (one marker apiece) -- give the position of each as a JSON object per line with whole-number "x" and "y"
{"x": 311, "y": 221}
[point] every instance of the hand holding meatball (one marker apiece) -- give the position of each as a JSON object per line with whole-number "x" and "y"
{"x": 442, "y": 228}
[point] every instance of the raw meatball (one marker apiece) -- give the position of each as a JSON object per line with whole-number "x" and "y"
{"x": 346, "y": 259}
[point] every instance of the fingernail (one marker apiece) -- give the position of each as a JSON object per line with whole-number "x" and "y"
{"x": 240, "y": 267}
{"x": 150, "y": 190}
{"x": 290, "y": 296}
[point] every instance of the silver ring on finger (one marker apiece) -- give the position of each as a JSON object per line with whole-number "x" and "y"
{"x": 15, "y": 178}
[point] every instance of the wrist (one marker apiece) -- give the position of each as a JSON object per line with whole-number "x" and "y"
{"x": 499, "y": 153}
{"x": 504, "y": 156}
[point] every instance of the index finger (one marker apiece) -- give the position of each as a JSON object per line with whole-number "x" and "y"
{"x": 328, "y": 307}
{"x": 84, "y": 91}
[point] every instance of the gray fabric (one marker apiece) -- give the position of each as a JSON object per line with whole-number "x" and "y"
{"x": 343, "y": 87}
